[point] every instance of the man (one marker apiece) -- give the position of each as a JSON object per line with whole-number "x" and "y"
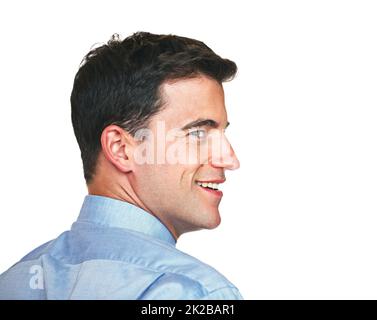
{"x": 149, "y": 116}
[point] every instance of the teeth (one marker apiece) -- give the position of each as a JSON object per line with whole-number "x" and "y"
{"x": 209, "y": 185}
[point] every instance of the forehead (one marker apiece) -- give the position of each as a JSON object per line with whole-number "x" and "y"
{"x": 189, "y": 99}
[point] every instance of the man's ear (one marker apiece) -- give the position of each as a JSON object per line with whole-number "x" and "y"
{"x": 117, "y": 147}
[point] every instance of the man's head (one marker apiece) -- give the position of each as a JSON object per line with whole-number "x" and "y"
{"x": 149, "y": 116}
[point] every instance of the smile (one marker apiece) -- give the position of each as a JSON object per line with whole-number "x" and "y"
{"x": 210, "y": 187}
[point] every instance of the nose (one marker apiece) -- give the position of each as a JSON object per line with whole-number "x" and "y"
{"x": 223, "y": 155}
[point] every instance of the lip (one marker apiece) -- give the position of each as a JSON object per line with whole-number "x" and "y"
{"x": 211, "y": 181}
{"x": 216, "y": 193}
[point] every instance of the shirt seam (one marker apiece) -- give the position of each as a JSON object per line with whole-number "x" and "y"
{"x": 163, "y": 272}
{"x": 105, "y": 226}
{"x": 219, "y": 289}
{"x": 222, "y": 288}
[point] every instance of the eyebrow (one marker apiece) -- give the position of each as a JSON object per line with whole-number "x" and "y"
{"x": 203, "y": 123}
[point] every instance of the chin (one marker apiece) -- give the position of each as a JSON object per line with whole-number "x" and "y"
{"x": 213, "y": 222}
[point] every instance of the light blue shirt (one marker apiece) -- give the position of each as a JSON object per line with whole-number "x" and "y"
{"x": 114, "y": 250}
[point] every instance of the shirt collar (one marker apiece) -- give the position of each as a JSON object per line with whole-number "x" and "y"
{"x": 120, "y": 214}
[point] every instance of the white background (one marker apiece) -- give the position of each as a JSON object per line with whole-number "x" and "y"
{"x": 299, "y": 216}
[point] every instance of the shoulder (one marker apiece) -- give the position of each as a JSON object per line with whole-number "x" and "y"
{"x": 119, "y": 266}
{"x": 196, "y": 269}
{"x": 186, "y": 277}
{"x": 173, "y": 273}
{"x": 172, "y": 286}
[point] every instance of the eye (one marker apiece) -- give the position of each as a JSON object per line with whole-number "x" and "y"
{"x": 198, "y": 133}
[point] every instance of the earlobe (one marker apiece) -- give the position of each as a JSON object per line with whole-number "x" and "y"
{"x": 117, "y": 147}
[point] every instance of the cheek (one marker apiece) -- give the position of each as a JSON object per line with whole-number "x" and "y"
{"x": 199, "y": 153}
{"x": 145, "y": 180}
{"x": 165, "y": 180}
{"x": 176, "y": 179}
{"x": 157, "y": 179}
{"x": 186, "y": 153}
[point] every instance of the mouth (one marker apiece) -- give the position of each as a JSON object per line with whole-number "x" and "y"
{"x": 211, "y": 187}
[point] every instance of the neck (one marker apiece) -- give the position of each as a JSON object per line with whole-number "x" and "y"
{"x": 115, "y": 191}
